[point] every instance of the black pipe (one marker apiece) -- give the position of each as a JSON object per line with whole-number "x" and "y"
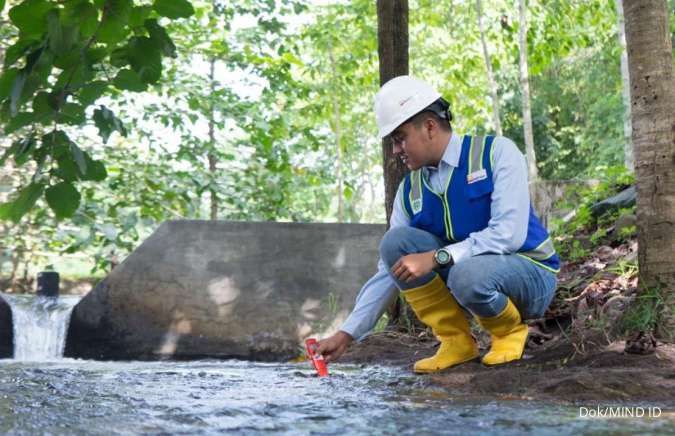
{"x": 48, "y": 284}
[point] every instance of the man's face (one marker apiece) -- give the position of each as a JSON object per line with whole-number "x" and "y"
{"x": 411, "y": 144}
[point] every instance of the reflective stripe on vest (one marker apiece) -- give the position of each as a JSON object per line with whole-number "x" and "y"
{"x": 542, "y": 252}
{"x": 476, "y": 169}
{"x": 416, "y": 191}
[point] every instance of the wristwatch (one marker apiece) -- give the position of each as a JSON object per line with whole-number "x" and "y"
{"x": 443, "y": 257}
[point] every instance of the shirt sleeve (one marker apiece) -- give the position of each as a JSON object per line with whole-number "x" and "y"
{"x": 510, "y": 208}
{"x": 380, "y": 290}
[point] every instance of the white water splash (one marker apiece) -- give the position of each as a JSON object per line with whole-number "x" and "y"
{"x": 40, "y": 325}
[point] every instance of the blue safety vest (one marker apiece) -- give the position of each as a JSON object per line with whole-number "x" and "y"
{"x": 464, "y": 206}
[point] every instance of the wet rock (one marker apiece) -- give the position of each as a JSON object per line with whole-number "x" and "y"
{"x": 625, "y": 198}
{"x": 625, "y": 221}
{"x": 6, "y": 332}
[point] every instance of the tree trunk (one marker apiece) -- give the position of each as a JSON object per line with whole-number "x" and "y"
{"x": 338, "y": 146}
{"x": 525, "y": 85}
{"x": 392, "y": 48}
{"x": 490, "y": 76}
{"x": 625, "y": 79}
{"x": 650, "y": 62}
{"x": 212, "y": 144}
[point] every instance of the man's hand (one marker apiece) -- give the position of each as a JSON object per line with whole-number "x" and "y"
{"x": 414, "y": 266}
{"x": 334, "y": 346}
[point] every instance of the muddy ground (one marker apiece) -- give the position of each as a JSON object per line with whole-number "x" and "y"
{"x": 555, "y": 371}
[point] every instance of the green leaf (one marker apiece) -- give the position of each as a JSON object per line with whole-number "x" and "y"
{"x": 18, "y": 49}
{"x": 173, "y": 8}
{"x": 24, "y": 202}
{"x": 69, "y": 59}
{"x": 2, "y": 5}
{"x": 78, "y": 156}
{"x": 138, "y": 15}
{"x": 161, "y": 38}
{"x": 119, "y": 57}
{"x": 107, "y": 122}
{"x": 91, "y": 92}
{"x": 67, "y": 169}
{"x": 17, "y": 89}
{"x": 6, "y": 82}
{"x": 5, "y": 210}
{"x": 10, "y": 151}
{"x": 55, "y": 32}
{"x": 30, "y": 16}
{"x": 23, "y": 152}
{"x": 63, "y": 199}
{"x": 113, "y": 27}
{"x": 145, "y": 58}
{"x": 22, "y": 119}
{"x": 130, "y": 80}
{"x": 95, "y": 169}
{"x": 72, "y": 114}
{"x": 58, "y": 142}
{"x": 42, "y": 108}
{"x": 88, "y": 16}
{"x": 96, "y": 54}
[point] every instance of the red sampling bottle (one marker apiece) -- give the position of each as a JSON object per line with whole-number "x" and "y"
{"x": 317, "y": 359}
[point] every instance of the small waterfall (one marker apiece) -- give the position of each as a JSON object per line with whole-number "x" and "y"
{"x": 40, "y": 325}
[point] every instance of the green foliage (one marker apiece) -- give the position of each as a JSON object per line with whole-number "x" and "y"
{"x": 107, "y": 123}
{"x": 289, "y": 79}
{"x": 613, "y": 180}
{"x": 27, "y": 197}
{"x": 173, "y": 8}
{"x": 59, "y": 63}
{"x": 63, "y": 198}
{"x": 642, "y": 315}
{"x": 628, "y": 232}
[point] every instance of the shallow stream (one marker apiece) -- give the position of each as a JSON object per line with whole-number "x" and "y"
{"x": 213, "y": 397}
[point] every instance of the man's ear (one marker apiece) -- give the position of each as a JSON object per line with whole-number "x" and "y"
{"x": 430, "y": 126}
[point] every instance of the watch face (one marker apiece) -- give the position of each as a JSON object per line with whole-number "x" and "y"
{"x": 442, "y": 257}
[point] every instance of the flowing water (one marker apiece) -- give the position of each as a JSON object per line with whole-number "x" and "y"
{"x": 40, "y": 325}
{"x": 71, "y": 397}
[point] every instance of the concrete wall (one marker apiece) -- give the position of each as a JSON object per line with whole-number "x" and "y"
{"x": 225, "y": 289}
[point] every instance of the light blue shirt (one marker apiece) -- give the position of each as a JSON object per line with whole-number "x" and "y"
{"x": 505, "y": 233}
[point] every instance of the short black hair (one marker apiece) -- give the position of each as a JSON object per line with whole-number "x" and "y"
{"x": 439, "y": 110}
{"x": 420, "y": 117}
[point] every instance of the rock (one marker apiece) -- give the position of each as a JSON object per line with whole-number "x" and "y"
{"x": 625, "y": 198}
{"x": 198, "y": 289}
{"x": 6, "y": 331}
{"x": 623, "y": 222}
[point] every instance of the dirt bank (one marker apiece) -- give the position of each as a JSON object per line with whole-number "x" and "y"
{"x": 553, "y": 372}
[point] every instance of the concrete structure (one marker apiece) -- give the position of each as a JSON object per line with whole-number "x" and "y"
{"x": 225, "y": 289}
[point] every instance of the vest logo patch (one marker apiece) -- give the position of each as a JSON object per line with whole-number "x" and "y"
{"x": 416, "y": 205}
{"x": 476, "y": 176}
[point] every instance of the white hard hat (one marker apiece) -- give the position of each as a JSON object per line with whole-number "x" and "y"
{"x": 399, "y": 99}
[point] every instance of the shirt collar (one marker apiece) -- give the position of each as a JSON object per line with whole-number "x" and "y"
{"x": 452, "y": 151}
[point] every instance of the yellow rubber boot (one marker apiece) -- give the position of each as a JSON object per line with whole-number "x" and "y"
{"x": 509, "y": 335}
{"x": 436, "y": 307}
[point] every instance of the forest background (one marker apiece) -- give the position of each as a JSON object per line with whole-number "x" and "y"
{"x": 261, "y": 110}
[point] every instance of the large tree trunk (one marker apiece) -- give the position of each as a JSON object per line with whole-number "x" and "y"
{"x": 650, "y": 62}
{"x": 490, "y": 76}
{"x": 392, "y": 48}
{"x": 338, "y": 145}
{"x": 625, "y": 79}
{"x": 525, "y": 85}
